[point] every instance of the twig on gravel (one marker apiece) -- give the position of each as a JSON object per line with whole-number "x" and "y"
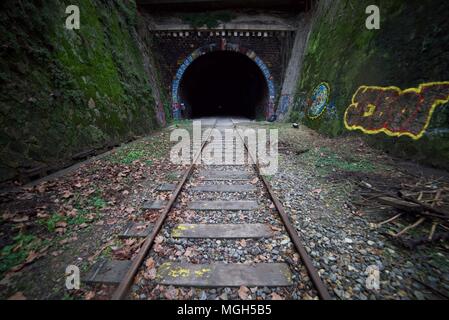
{"x": 432, "y": 231}
{"x": 411, "y": 227}
{"x": 389, "y": 220}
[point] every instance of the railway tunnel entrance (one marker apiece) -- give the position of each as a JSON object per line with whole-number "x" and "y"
{"x": 223, "y": 83}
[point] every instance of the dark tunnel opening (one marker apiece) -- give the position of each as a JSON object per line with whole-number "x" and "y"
{"x": 223, "y": 83}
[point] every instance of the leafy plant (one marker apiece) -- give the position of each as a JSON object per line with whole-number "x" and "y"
{"x": 98, "y": 202}
{"x": 328, "y": 160}
{"x": 52, "y": 221}
{"x": 211, "y": 20}
{"x": 17, "y": 252}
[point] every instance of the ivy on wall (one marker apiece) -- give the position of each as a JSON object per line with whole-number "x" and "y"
{"x": 209, "y": 19}
{"x": 66, "y": 91}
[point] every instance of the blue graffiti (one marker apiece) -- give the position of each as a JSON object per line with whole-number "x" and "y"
{"x": 320, "y": 99}
{"x": 332, "y": 111}
{"x": 284, "y": 104}
{"x": 213, "y": 47}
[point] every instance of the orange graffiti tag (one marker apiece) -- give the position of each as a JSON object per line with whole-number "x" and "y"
{"x": 395, "y": 112}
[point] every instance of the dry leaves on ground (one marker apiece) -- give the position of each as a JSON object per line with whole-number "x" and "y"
{"x": 243, "y": 293}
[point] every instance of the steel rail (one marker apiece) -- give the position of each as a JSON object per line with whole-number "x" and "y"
{"x": 311, "y": 270}
{"x": 122, "y": 290}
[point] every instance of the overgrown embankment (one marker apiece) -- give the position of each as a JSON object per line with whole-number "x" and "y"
{"x": 67, "y": 91}
{"x": 411, "y": 48}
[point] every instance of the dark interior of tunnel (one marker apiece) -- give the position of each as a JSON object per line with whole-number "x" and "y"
{"x": 223, "y": 83}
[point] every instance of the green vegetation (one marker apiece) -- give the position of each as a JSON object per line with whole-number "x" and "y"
{"x": 65, "y": 91}
{"x": 132, "y": 156}
{"x": 208, "y": 19}
{"x": 128, "y": 155}
{"x": 16, "y": 253}
{"x": 98, "y": 202}
{"x": 53, "y": 221}
{"x": 326, "y": 161}
{"x": 404, "y": 52}
{"x": 172, "y": 177}
{"x": 330, "y": 160}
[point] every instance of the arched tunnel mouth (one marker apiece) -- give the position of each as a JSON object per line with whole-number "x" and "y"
{"x": 223, "y": 83}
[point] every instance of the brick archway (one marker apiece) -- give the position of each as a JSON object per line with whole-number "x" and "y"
{"x": 223, "y": 46}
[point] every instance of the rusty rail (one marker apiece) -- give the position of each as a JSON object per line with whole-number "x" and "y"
{"x": 311, "y": 270}
{"x": 123, "y": 288}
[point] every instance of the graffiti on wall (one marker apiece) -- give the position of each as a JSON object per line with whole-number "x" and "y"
{"x": 332, "y": 111}
{"x": 395, "y": 112}
{"x": 222, "y": 46}
{"x": 319, "y": 100}
{"x": 284, "y": 103}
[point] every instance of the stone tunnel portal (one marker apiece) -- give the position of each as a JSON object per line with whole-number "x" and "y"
{"x": 223, "y": 83}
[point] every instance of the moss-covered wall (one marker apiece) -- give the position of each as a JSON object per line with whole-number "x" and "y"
{"x": 411, "y": 48}
{"x": 66, "y": 91}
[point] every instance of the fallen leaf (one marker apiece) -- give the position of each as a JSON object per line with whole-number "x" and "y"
{"x": 31, "y": 257}
{"x": 158, "y": 248}
{"x": 42, "y": 215}
{"x": 67, "y": 194}
{"x": 150, "y": 274}
{"x": 189, "y": 252}
{"x": 178, "y": 253}
{"x": 89, "y": 295}
{"x": 275, "y": 296}
{"x": 243, "y": 293}
{"x": 150, "y": 263}
{"x": 17, "y": 296}
{"x": 72, "y": 213}
{"x": 7, "y": 216}
{"x": 130, "y": 210}
{"x": 20, "y": 219}
{"x": 61, "y": 224}
{"x": 171, "y": 294}
{"x": 56, "y": 253}
{"x": 159, "y": 239}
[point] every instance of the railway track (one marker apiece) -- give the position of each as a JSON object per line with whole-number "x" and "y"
{"x": 211, "y": 208}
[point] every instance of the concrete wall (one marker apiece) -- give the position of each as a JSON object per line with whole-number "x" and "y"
{"x": 272, "y": 48}
{"x": 389, "y": 86}
{"x": 66, "y": 92}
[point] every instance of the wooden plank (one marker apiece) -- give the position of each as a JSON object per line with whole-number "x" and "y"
{"x": 154, "y": 205}
{"x": 167, "y": 187}
{"x": 108, "y": 272}
{"x": 224, "y": 275}
{"x": 222, "y": 231}
{"x": 243, "y": 205}
{"x": 225, "y": 175}
{"x": 225, "y": 188}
